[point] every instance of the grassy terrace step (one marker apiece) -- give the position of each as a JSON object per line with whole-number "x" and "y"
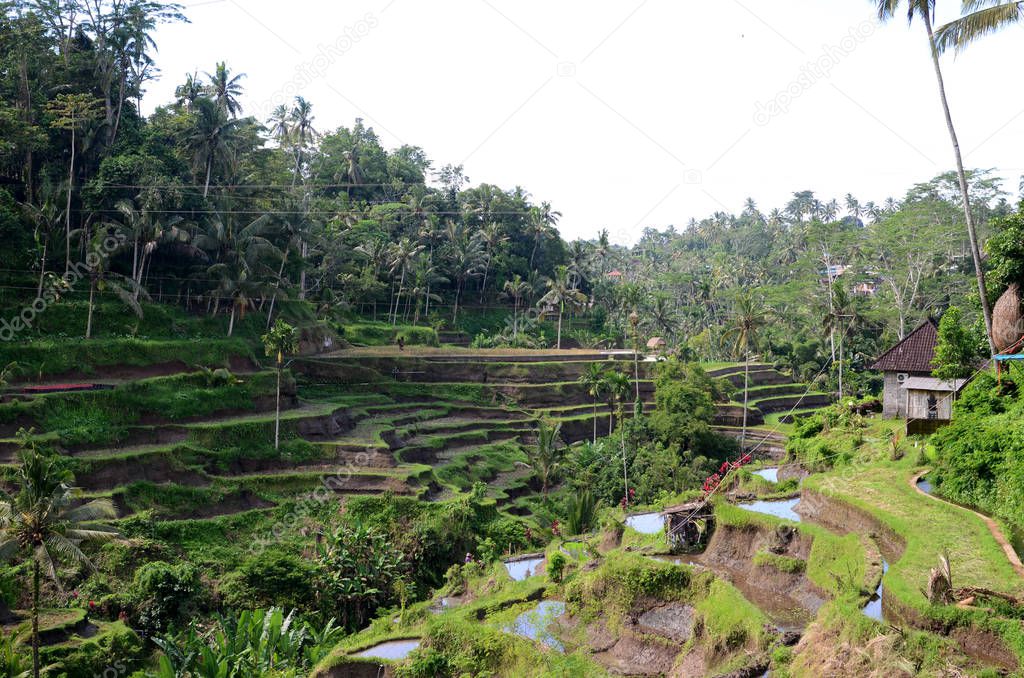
{"x": 772, "y": 390}
{"x": 769, "y": 377}
{"x": 719, "y": 370}
{"x": 786, "y": 403}
{"x": 123, "y": 358}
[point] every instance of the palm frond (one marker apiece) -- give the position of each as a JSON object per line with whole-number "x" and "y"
{"x": 981, "y": 21}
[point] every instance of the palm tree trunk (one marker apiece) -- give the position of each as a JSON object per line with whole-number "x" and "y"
{"x": 972, "y": 234}
{"x": 67, "y": 208}
{"x": 595, "y": 420}
{"x": 302, "y": 271}
{"x": 559, "y": 344}
{"x": 42, "y": 271}
{"x": 209, "y": 171}
{"x": 277, "y": 285}
{"x": 277, "y": 413}
{"x": 231, "y": 322}
{"x": 88, "y": 320}
{"x": 35, "y": 618}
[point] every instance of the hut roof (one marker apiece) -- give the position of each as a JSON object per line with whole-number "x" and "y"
{"x": 914, "y": 354}
{"x": 933, "y": 384}
{"x": 688, "y": 507}
{"x": 656, "y": 342}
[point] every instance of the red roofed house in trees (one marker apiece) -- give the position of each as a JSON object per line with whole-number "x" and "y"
{"x": 912, "y": 357}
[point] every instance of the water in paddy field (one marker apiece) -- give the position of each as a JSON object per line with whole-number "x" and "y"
{"x": 925, "y": 486}
{"x": 646, "y": 523}
{"x": 523, "y": 569}
{"x": 780, "y": 508}
{"x": 392, "y": 649}
{"x": 533, "y": 624}
{"x": 874, "y": 607}
{"x": 769, "y": 474}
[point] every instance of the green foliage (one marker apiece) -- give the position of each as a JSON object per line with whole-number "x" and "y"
{"x": 116, "y": 646}
{"x": 255, "y": 643}
{"x": 956, "y": 351}
{"x": 685, "y": 398}
{"x": 581, "y": 512}
{"x": 556, "y": 566}
{"x": 384, "y": 334}
{"x": 785, "y": 564}
{"x": 1006, "y": 253}
{"x": 164, "y": 594}
{"x": 270, "y": 579}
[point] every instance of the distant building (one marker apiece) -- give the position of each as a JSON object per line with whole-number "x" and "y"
{"x": 865, "y": 289}
{"x": 910, "y": 358}
{"x": 615, "y": 275}
{"x": 656, "y": 344}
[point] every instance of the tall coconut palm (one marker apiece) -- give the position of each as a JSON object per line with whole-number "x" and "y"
{"x": 516, "y": 289}
{"x": 542, "y": 222}
{"x": 925, "y": 10}
{"x": 465, "y": 257}
{"x": 593, "y": 382}
{"x": 620, "y": 389}
{"x": 492, "y": 236}
{"x": 744, "y": 332}
{"x": 984, "y": 17}
{"x": 41, "y": 523}
{"x": 302, "y": 132}
{"x": 560, "y": 292}
{"x": 226, "y": 88}
{"x": 546, "y": 456}
{"x": 187, "y": 93}
{"x": 403, "y": 253}
{"x": 211, "y": 140}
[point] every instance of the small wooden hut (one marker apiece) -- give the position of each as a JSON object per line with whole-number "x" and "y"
{"x": 929, "y": 403}
{"x": 689, "y": 526}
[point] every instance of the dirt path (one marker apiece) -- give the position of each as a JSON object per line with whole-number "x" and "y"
{"x": 992, "y": 525}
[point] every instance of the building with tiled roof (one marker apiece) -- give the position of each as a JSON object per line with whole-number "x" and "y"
{"x": 910, "y": 358}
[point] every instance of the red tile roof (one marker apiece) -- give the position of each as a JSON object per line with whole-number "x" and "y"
{"x": 914, "y": 354}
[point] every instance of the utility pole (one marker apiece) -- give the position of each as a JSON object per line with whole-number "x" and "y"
{"x": 746, "y": 385}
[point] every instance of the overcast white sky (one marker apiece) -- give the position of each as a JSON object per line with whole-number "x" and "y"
{"x": 628, "y": 113}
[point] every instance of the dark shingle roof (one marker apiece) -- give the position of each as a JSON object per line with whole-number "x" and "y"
{"x": 914, "y": 354}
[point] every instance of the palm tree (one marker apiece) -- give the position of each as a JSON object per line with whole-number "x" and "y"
{"x": 561, "y": 292}
{"x": 466, "y": 256}
{"x": 302, "y": 132}
{"x": 546, "y": 456}
{"x": 102, "y": 279}
{"x": 663, "y": 316}
{"x": 925, "y": 9}
{"x": 853, "y": 207}
{"x": 516, "y": 288}
{"x": 211, "y": 140}
{"x": 620, "y": 389}
{"x": 280, "y": 340}
{"x": 603, "y": 250}
{"x": 979, "y": 22}
{"x": 542, "y": 221}
{"x": 748, "y": 319}
{"x": 42, "y": 523}
{"x": 226, "y": 89}
{"x": 579, "y": 256}
{"x": 492, "y": 236}
{"x": 593, "y": 381}
{"x": 403, "y": 253}
{"x": 189, "y": 91}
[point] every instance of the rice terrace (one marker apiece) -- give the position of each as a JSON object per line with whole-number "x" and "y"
{"x": 284, "y": 394}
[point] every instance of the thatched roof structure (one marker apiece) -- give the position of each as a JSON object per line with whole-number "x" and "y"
{"x": 1007, "y": 328}
{"x": 656, "y": 343}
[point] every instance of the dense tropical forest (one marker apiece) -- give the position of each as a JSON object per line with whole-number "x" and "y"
{"x": 274, "y": 395}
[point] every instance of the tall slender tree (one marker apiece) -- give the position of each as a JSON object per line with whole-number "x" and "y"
{"x": 925, "y": 10}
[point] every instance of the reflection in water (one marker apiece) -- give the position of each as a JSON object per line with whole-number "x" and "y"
{"x": 781, "y": 508}
{"x": 392, "y": 649}
{"x": 523, "y": 569}
{"x": 769, "y": 474}
{"x": 874, "y": 607}
{"x": 925, "y": 486}
{"x": 534, "y": 624}
{"x": 646, "y": 523}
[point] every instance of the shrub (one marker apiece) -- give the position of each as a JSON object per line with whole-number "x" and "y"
{"x": 165, "y": 594}
{"x": 556, "y": 567}
{"x": 270, "y": 579}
